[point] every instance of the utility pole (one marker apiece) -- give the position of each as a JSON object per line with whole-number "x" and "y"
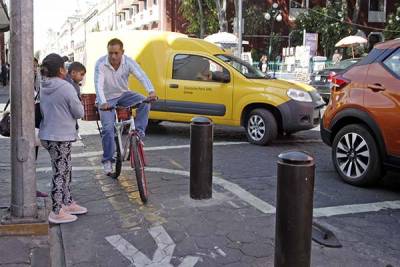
{"x": 116, "y": 16}
{"x": 23, "y": 179}
{"x": 239, "y": 23}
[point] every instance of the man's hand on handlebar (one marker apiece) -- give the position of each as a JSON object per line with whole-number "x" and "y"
{"x": 152, "y": 96}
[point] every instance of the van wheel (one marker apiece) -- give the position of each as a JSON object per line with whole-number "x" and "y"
{"x": 261, "y": 127}
{"x": 355, "y": 156}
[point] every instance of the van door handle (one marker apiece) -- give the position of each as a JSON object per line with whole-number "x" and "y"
{"x": 376, "y": 87}
{"x": 173, "y": 85}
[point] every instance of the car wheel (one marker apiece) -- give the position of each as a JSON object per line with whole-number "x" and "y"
{"x": 355, "y": 156}
{"x": 261, "y": 127}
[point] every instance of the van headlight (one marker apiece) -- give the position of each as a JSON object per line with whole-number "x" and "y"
{"x": 299, "y": 95}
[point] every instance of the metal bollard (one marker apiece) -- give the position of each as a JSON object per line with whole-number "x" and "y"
{"x": 201, "y": 158}
{"x": 294, "y": 209}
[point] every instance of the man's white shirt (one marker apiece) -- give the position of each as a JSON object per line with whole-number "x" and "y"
{"x": 111, "y": 83}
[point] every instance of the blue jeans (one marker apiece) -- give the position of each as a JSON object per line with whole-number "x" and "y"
{"x": 107, "y": 118}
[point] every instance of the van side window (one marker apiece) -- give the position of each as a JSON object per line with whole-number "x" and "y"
{"x": 197, "y": 68}
{"x": 393, "y": 63}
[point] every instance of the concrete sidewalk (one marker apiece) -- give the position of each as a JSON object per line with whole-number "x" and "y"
{"x": 19, "y": 250}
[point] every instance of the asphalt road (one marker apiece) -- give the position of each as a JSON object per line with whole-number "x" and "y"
{"x": 361, "y": 219}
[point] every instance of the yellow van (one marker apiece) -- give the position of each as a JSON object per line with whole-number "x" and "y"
{"x": 193, "y": 77}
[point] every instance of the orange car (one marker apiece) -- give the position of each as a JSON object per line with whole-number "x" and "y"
{"x": 362, "y": 120}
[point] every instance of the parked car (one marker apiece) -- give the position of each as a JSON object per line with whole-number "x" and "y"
{"x": 322, "y": 80}
{"x": 194, "y": 77}
{"x": 362, "y": 121}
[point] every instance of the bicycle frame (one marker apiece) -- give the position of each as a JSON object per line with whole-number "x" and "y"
{"x": 119, "y": 127}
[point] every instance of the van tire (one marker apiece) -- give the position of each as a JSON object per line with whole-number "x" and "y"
{"x": 370, "y": 156}
{"x": 261, "y": 127}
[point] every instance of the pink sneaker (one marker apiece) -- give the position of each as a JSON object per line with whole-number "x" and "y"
{"x": 61, "y": 217}
{"x": 74, "y": 209}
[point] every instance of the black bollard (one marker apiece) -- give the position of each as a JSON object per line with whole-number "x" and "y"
{"x": 201, "y": 158}
{"x": 294, "y": 209}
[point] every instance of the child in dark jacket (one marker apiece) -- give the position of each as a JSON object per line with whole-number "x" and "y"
{"x": 76, "y": 74}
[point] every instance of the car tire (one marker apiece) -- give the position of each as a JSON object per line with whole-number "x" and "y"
{"x": 261, "y": 127}
{"x": 355, "y": 156}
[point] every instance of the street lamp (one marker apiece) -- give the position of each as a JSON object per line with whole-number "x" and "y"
{"x": 273, "y": 14}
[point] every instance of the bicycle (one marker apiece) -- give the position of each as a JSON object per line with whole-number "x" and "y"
{"x": 131, "y": 148}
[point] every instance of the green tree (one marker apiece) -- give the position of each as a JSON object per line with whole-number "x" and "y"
{"x": 392, "y": 29}
{"x": 327, "y": 22}
{"x": 207, "y": 13}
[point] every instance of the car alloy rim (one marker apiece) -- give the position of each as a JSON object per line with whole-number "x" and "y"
{"x": 256, "y": 127}
{"x": 352, "y": 155}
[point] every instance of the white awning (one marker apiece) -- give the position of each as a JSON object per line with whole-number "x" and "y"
{"x": 4, "y": 19}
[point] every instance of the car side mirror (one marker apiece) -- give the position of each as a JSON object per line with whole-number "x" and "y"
{"x": 222, "y": 77}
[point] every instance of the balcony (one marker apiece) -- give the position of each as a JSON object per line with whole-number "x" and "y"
{"x": 123, "y": 5}
{"x": 377, "y": 16}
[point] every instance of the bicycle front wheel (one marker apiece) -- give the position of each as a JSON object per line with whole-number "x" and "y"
{"x": 137, "y": 162}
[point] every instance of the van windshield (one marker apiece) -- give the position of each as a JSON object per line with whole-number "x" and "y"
{"x": 243, "y": 67}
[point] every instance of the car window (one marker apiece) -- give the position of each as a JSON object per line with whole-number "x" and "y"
{"x": 243, "y": 67}
{"x": 197, "y": 68}
{"x": 393, "y": 62}
{"x": 344, "y": 64}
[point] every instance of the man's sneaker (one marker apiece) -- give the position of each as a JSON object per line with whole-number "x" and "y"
{"x": 74, "y": 209}
{"x": 61, "y": 217}
{"x": 107, "y": 167}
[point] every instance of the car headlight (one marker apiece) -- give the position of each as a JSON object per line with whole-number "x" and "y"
{"x": 299, "y": 95}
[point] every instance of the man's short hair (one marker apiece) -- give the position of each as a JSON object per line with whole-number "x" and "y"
{"x": 76, "y": 66}
{"x": 115, "y": 41}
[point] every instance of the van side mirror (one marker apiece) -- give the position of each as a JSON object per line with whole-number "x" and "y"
{"x": 221, "y": 76}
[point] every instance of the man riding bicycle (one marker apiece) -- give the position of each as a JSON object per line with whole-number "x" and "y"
{"x": 111, "y": 83}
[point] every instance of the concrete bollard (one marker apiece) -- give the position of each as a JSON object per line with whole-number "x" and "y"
{"x": 201, "y": 158}
{"x": 294, "y": 209}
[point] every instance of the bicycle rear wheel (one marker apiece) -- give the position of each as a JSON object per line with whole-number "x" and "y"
{"x": 137, "y": 162}
{"x": 118, "y": 159}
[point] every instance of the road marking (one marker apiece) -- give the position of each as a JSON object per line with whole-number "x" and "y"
{"x": 261, "y": 205}
{"x": 155, "y": 148}
{"x": 233, "y": 188}
{"x": 220, "y": 251}
{"x": 161, "y": 257}
{"x": 356, "y": 208}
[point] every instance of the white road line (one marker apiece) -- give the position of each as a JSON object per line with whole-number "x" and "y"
{"x": 162, "y": 256}
{"x": 233, "y": 188}
{"x": 155, "y": 148}
{"x": 261, "y": 205}
{"x": 356, "y": 208}
{"x": 128, "y": 250}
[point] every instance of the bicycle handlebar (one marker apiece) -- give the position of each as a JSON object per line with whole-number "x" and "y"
{"x": 147, "y": 100}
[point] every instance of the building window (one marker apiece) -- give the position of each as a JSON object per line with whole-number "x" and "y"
{"x": 154, "y": 2}
{"x": 377, "y": 11}
{"x": 298, "y": 3}
{"x": 377, "y": 5}
{"x": 145, "y": 4}
{"x": 130, "y": 13}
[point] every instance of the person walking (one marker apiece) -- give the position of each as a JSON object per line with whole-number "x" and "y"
{"x": 60, "y": 108}
{"x": 111, "y": 83}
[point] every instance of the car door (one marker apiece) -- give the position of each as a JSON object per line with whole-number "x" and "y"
{"x": 198, "y": 85}
{"x": 382, "y": 98}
